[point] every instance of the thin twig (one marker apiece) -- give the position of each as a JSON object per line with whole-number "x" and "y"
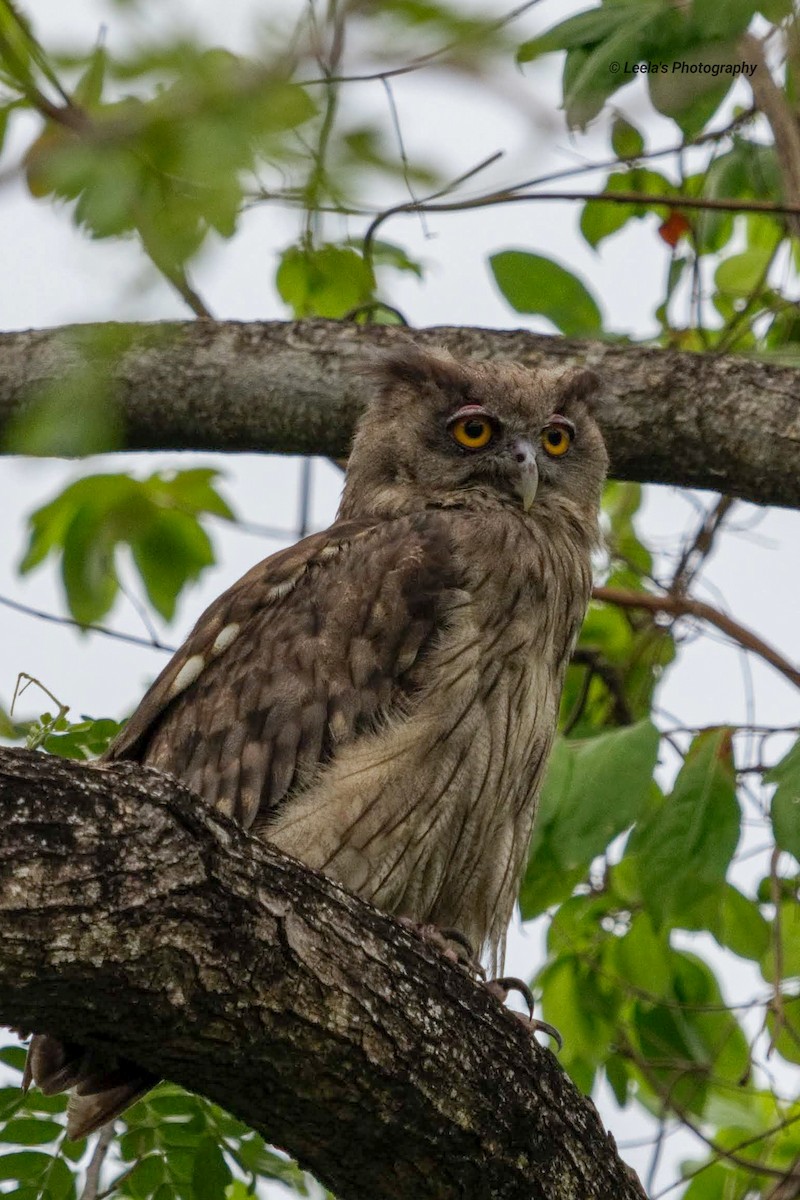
{"x": 729, "y": 1154}
{"x": 609, "y": 164}
{"x": 29, "y": 611}
{"x": 698, "y": 550}
{"x": 101, "y": 1147}
{"x": 686, "y": 606}
{"x": 509, "y": 196}
{"x": 423, "y": 60}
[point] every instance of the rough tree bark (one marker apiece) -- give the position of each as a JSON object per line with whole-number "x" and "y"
{"x": 725, "y": 423}
{"x": 133, "y": 915}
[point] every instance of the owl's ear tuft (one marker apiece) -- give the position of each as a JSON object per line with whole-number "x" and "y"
{"x": 578, "y": 386}
{"x": 410, "y": 364}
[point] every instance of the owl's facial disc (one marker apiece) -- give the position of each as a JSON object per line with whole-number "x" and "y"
{"x": 527, "y": 478}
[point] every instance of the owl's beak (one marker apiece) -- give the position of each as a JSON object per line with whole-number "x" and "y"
{"x": 528, "y": 478}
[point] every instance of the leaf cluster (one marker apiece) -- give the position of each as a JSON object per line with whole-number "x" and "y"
{"x": 156, "y": 519}
{"x": 170, "y": 1144}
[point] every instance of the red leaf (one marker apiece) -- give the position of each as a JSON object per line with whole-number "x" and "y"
{"x": 674, "y": 228}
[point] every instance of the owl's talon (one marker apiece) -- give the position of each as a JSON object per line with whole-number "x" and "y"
{"x": 509, "y": 983}
{"x": 501, "y": 989}
{"x": 534, "y": 1025}
{"x": 452, "y": 943}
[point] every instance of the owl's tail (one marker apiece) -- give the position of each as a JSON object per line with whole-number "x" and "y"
{"x": 103, "y": 1086}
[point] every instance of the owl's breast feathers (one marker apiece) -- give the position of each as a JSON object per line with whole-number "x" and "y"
{"x": 379, "y": 701}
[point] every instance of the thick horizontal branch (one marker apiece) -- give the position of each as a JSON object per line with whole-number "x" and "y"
{"x": 725, "y": 423}
{"x": 132, "y": 915}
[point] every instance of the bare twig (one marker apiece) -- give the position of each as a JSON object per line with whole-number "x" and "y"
{"x": 729, "y": 1154}
{"x": 28, "y": 610}
{"x": 686, "y": 606}
{"x": 510, "y": 196}
{"x": 101, "y": 1147}
{"x": 698, "y": 550}
{"x": 422, "y": 60}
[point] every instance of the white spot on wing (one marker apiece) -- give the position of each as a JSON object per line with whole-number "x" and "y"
{"x": 282, "y": 589}
{"x": 225, "y": 637}
{"x": 187, "y": 674}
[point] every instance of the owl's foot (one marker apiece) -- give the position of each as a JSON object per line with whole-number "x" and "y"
{"x": 501, "y": 989}
{"x": 451, "y": 942}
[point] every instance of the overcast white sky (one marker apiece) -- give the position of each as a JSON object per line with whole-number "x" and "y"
{"x": 53, "y": 275}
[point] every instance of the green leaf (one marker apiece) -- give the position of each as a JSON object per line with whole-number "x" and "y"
{"x": 87, "y": 567}
{"x": 388, "y": 254}
{"x": 237, "y": 1190}
{"x": 711, "y": 21}
{"x": 50, "y": 1175}
{"x": 14, "y": 1056}
{"x": 692, "y": 95}
{"x": 784, "y": 1028}
{"x": 168, "y": 554}
{"x": 589, "y": 77}
{"x": 731, "y": 918}
{"x": 741, "y": 274}
{"x": 642, "y": 957}
{"x": 573, "y": 1002}
{"x": 584, "y": 29}
{"x": 593, "y": 791}
{"x": 324, "y": 281}
{"x": 89, "y": 88}
{"x": 718, "y": 1182}
{"x": 786, "y": 923}
{"x": 533, "y": 284}
{"x": 684, "y": 848}
{"x": 173, "y": 166}
{"x": 626, "y": 140}
{"x": 28, "y": 1131}
{"x": 147, "y": 1176}
{"x": 600, "y": 219}
{"x": 775, "y": 10}
{"x": 696, "y": 1031}
{"x": 77, "y": 740}
{"x": 210, "y": 1173}
{"x": 785, "y": 809}
{"x": 156, "y": 517}
{"x": 191, "y": 490}
{"x": 11, "y": 1100}
{"x": 599, "y": 791}
{"x": 5, "y": 113}
{"x": 618, "y": 1078}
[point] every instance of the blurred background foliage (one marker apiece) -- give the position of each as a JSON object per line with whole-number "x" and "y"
{"x": 643, "y": 829}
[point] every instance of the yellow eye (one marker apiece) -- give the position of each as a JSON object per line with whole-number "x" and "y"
{"x": 473, "y": 433}
{"x": 556, "y": 440}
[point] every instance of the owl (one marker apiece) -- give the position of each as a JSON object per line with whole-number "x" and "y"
{"x": 379, "y": 700}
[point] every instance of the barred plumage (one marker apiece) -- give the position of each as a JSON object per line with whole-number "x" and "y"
{"x": 380, "y": 699}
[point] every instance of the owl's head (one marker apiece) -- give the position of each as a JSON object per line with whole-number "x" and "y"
{"x": 444, "y": 431}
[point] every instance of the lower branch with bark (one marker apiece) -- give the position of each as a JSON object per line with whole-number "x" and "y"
{"x": 133, "y": 916}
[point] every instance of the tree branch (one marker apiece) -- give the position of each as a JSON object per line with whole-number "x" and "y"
{"x": 725, "y": 423}
{"x": 132, "y": 915}
{"x": 687, "y": 606}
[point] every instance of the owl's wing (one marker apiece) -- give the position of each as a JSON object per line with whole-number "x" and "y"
{"x": 312, "y": 647}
